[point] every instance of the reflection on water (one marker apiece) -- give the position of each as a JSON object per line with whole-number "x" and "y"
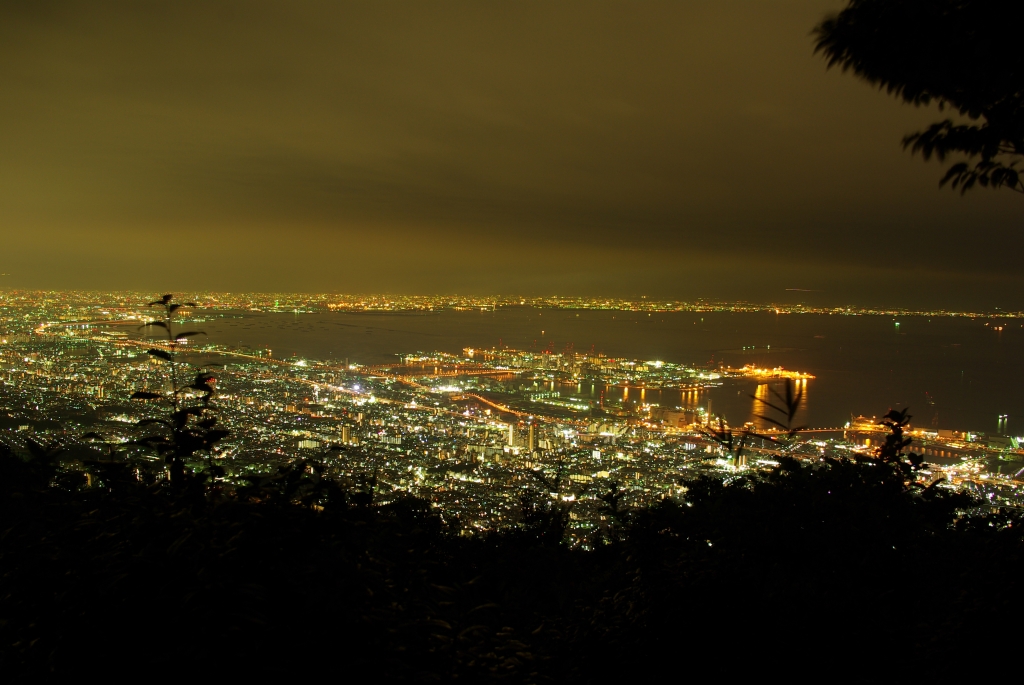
{"x": 737, "y": 400}
{"x": 759, "y": 406}
{"x": 768, "y": 396}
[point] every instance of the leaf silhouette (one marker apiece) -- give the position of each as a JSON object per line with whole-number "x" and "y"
{"x": 162, "y": 354}
{"x": 144, "y": 395}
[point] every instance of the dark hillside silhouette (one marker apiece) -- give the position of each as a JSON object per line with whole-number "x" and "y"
{"x": 835, "y": 568}
{"x": 840, "y": 569}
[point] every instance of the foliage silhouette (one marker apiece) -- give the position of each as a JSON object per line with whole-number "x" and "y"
{"x": 191, "y": 423}
{"x": 960, "y": 54}
{"x": 789, "y": 405}
{"x": 612, "y": 499}
{"x": 904, "y": 465}
{"x": 37, "y": 473}
{"x": 732, "y": 443}
{"x": 819, "y": 555}
{"x": 543, "y": 513}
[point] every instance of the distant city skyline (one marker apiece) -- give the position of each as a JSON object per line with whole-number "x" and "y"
{"x": 80, "y": 300}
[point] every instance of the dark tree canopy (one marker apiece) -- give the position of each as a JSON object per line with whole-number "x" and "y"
{"x": 962, "y": 54}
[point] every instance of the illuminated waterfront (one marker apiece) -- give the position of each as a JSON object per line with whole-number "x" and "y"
{"x": 953, "y": 372}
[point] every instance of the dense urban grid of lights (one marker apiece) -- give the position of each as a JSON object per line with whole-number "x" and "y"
{"x": 467, "y": 432}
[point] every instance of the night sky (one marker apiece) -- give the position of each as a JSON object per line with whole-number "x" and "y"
{"x": 680, "y": 149}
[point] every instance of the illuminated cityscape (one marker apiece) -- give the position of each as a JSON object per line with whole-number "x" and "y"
{"x": 511, "y": 342}
{"x": 468, "y": 433}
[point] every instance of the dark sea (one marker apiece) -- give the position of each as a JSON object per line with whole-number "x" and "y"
{"x": 953, "y": 373}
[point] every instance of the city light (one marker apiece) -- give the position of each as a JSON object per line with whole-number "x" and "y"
{"x": 493, "y": 412}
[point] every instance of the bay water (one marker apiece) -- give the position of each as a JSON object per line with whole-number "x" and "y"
{"x": 957, "y": 373}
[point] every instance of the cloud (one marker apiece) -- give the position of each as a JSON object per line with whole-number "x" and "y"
{"x": 523, "y": 136}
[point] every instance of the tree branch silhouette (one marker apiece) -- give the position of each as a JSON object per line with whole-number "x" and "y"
{"x": 957, "y": 54}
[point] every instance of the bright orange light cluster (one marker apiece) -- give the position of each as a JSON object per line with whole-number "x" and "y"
{"x": 777, "y": 372}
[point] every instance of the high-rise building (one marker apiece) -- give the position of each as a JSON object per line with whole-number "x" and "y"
{"x": 532, "y": 446}
{"x": 346, "y": 434}
{"x": 511, "y": 435}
